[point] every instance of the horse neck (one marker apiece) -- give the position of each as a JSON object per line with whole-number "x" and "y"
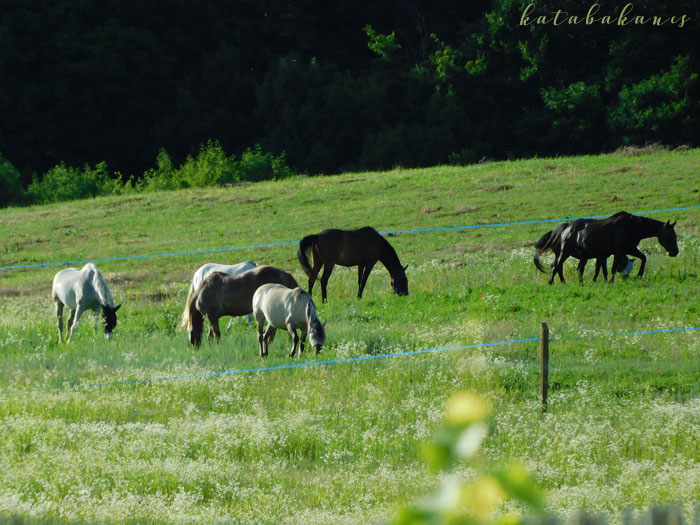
{"x": 103, "y": 291}
{"x": 649, "y": 227}
{"x": 389, "y": 258}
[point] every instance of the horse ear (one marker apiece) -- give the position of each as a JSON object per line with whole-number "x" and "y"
{"x": 117, "y": 308}
{"x": 324, "y": 325}
{"x": 674, "y": 223}
{"x": 404, "y": 268}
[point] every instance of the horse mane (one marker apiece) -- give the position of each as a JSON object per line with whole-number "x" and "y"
{"x": 195, "y": 320}
{"x": 389, "y": 258}
{"x": 100, "y": 286}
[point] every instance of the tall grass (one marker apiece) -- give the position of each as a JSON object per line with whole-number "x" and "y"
{"x": 339, "y": 443}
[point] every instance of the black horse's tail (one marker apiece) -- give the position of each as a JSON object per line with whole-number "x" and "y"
{"x": 195, "y": 322}
{"x": 305, "y": 246}
{"x": 543, "y": 246}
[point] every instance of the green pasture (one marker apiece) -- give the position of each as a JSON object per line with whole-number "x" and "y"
{"x": 138, "y": 430}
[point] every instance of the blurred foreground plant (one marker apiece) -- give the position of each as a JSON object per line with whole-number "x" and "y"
{"x": 470, "y": 501}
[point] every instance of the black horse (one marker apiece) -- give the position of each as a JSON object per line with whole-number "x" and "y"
{"x": 361, "y": 248}
{"x": 552, "y": 240}
{"x": 617, "y": 235}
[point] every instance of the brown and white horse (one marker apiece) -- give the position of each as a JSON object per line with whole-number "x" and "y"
{"x": 221, "y": 294}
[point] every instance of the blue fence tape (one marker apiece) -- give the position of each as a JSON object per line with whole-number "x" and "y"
{"x": 329, "y": 362}
{"x": 281, "y": 243}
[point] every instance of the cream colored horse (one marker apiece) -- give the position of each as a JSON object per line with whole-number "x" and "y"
{"x": 290, "y": 310}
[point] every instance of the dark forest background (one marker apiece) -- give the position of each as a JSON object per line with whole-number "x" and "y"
{"x": 335, "y": 85}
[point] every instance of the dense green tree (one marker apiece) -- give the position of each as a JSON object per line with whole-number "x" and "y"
{"x": 340, "y": 84}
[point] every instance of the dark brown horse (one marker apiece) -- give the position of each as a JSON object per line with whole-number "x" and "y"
{"x": 221, "y": 294}
{"x": 617, "y": 235}
{"x": 552, "y": 240}
{"x": 361, "y": 248}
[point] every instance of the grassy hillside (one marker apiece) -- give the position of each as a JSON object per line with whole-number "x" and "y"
{"x": 340, "y": 443}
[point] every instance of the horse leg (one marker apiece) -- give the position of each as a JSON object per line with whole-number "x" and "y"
{"x": 605, "y": 268}
{"x": 643, "y": 258}
{"x": 324, "y": 281}
{"x": 295, "y": 338}
{"x": 581, "y": 268}
{"x": 268, "y": 337}
{"x": 365, "y": 275}
{"x": 214, "y": 328}
{"x": 78, "y": 312}
{"x": 302, "y": 341}
{"x": 260, "y": 321}
{"x": 360, "y": 269}
{"x": 314, "y": 273}
{"x": 557, "y": 266}
{"x": 71, "y": 318}
{"x": 97, "y": 323}
{"x": 59, "y": 317}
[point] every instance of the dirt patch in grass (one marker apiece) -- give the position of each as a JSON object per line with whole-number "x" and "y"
{"x": 500, "y": 187}
{"x": 427, "y": 210}
{"x": 125, "y": 278}
{"x": 462, "y": 210}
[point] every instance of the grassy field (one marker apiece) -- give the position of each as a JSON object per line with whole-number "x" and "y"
{"x": 82, "y": 437}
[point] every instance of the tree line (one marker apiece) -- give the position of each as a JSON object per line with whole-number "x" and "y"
{"x": 337, "y": 85}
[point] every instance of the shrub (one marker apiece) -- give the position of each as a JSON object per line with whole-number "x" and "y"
{"x": 64, "y": 183}
{"x": 210, "y": 166}
{"x": 256, "y": 165}
{"x": 10, "y": 184}
{"x": 162, "y": 177}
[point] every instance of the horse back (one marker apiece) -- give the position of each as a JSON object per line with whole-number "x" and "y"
{"x": 605, "y": 236}
{"x": 351, "y": 247}
{"x": 269, "y": 274}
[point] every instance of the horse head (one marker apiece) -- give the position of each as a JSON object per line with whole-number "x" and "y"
{"x": 399, "y": 282}
{"x": 317, "y": 329}
{"x": 109, "y": 316}
{"x": 668, "y": 238}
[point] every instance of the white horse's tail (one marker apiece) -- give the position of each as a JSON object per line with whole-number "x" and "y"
{"x": 186, "y": 313}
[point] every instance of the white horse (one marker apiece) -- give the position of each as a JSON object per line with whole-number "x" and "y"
{"x": 289, "y": 309}
{"x": 81, "y": 290}
{"x": 203, "y": 272}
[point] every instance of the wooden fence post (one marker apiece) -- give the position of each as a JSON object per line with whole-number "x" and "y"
{"x": 544, "y": 365}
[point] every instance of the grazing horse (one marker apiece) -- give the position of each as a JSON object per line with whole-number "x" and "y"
{"x": 617, "y": 235}
{"x": 221, "y": 294}
{"x": 81, "y": 290}
{"x": 289, "y": 310}
{"x": 552, "y": 240}
{"x": 202, "y": 273}
{"x": 361, "y": 248}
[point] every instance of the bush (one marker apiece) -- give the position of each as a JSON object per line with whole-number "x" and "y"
{"x": 162, "y": 177}
{"x": 10, "y": 184}
{"x": 64, "y": 183}
{"x": 256, "y": 165}
{"x": 211, "y": 166}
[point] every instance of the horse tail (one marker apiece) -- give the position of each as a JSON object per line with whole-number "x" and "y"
{"x": 543, "y": 246}
{"x": 195, "y": 321}
{"x": 305, "y": 246}
{"x": 186, "y": 314}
